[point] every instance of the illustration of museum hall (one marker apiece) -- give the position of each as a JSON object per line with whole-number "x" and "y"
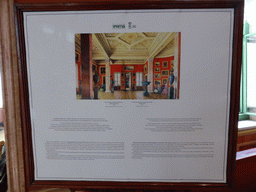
{"x": 128, "y": 65}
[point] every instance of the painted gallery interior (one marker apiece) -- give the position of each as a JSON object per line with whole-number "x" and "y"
{"x": 128, "y": 65}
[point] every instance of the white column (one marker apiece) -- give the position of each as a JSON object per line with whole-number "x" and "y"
{"x": 150, "y": 74}
{"x": 107, "y": 76}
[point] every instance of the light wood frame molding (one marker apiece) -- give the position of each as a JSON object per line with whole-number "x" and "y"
{"x": 11, "y": 96}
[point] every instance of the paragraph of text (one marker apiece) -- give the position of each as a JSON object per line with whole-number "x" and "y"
{"x": 72, "y": 150}
{"x": 80, "y": 124}
{"x": 174, "y": 124}
{"x": 172, "y": 150}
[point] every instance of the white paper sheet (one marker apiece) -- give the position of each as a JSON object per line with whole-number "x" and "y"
{"x": 128, "y": 150}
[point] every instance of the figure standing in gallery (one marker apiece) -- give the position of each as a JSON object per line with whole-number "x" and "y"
{"x": 95, "y": 81}
{"x": 112, "y": 84}
{"x": 171, "y": 89}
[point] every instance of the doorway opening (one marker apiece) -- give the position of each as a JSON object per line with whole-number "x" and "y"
{"x": 128, "y": 81}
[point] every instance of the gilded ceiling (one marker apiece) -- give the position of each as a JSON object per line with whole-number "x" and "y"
{"x": 129, "y": 48}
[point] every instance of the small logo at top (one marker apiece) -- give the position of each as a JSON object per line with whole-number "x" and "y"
{"x": 131, "y": 26}
{"x": 122, "y": 26}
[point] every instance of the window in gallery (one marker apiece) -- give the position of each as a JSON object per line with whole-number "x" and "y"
{"x": 139, "y": 79}
{"x": 117, "y": 79}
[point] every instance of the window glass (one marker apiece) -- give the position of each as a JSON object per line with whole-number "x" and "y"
{"x": 251, "y": 69}
{"x": 247, "y": 108}
{"x": 250, "y": 14}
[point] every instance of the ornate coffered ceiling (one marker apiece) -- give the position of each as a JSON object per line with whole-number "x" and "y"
{"x": 129, "y": 48}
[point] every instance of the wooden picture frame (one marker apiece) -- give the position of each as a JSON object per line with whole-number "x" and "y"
{"x": 18, "y": 79}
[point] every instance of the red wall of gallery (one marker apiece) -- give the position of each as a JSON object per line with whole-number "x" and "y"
{"x": 162, "y": 68}
{"x": 120, "y": 68}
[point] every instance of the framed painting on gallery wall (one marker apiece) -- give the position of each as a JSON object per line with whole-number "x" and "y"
{"x": 54, "y": 158}
{"x": 165, "y": 64}
{"x": 157, "y": 69}
{"x": 165, "y": 72}
{"x": 157, "y": 75}
{"x": 128, "y": 68}
{"x": 145, "y": 69}
{"x": 157, "y": 82}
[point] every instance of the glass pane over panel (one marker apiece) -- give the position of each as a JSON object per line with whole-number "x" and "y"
{"x": 250, "y": 14}
{"x": 251, "y": 71}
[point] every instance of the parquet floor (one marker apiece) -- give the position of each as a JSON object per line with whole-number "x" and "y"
{"x": 128, "y": 95}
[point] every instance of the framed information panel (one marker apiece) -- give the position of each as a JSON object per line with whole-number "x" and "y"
{"x": 130, "y": 95}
